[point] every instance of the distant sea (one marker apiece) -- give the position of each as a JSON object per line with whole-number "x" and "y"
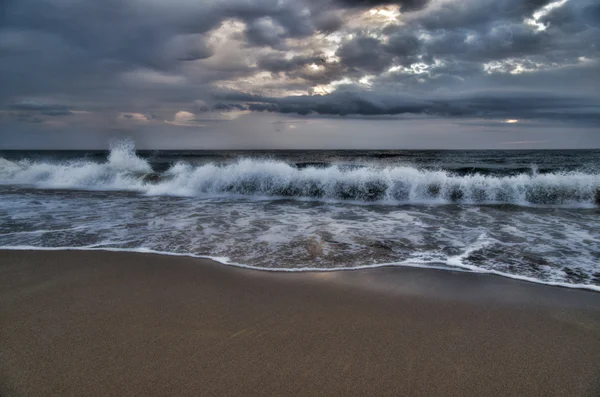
{"x": 532, "y": 215}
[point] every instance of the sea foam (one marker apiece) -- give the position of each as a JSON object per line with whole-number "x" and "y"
{"x": 125, "y": 171}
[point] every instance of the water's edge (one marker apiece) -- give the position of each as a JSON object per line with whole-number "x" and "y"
{"x": 227, "y": 262}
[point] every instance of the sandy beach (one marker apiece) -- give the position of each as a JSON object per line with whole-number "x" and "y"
{"x": 91, "y": 323}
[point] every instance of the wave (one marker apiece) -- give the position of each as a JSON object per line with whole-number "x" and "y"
{"x": 125, "y": 171}
{"x": 228, "y": 262}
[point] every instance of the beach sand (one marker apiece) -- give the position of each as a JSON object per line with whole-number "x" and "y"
{"x": 83, "y": 323}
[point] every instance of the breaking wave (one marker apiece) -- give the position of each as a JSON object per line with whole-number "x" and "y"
{"x": 125, "y": 171}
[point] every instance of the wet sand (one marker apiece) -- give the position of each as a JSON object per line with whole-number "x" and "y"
{"x": 75, "y": 323}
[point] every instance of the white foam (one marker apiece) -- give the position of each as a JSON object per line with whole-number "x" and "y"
{"x": 122, "y": 171}
{"x": 261, "y": 178}
{"x": 545, "y": 246}
{"x": 122, "y": 157}
{"x": 226, "y": 261}
{"x": 41, "y": 231}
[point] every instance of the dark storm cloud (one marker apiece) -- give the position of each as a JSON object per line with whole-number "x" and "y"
{"x": 472, "y": 58}
{"x": 105, "y": 29}
{"x": 271, "y": 24}
{"x": 327, "y": 22}
{"x": 461, "y": 39}
{"x": 564, "y": 18}
{"x": 36, "y": 106}
{"x": 473, "y": 13}
{"x": 297, "y": 67}
{"x": 232, "y": 95}
{"x": 56, "y": 112}
{"x": 592, "y": 14}
{"x": 187, "y": 48}
{"x": 277, "y": 63}
{"x": 405, "y": 5}
{"x": 371, "y": 56}
{"x": 572, "y": 18}
{"x": 29, "y": 118}
{"x": 403, "y": 44}
{"x": 27, "y": 110}
{"x": 496, "y": 42}
{"x": 141, "y": 31}
{"x": 265, "y": 31}
{"x": 228, "y": 106}
{"x": 498, "y": 105}
{"x": 51, "y": 46}
{"x": 365, "y": 53}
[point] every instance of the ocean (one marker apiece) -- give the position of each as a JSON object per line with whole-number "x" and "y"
{"x": 531, "y": 215}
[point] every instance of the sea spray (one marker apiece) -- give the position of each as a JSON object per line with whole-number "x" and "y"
{"x": 342, "y": 209}
{"x": 122, "y": 157}
{"x": 391, "y": 184}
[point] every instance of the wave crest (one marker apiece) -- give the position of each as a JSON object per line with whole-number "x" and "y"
{"x": 125, "y": 171}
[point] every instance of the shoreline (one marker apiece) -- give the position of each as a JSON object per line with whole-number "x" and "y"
{"x": 225, "y": 262}
{"x": 115, "y": 323}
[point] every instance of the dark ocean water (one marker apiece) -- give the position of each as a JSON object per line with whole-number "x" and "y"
{"x": 524, "y": 214}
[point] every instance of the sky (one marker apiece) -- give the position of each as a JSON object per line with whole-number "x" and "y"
{"x": 300, "y": 74}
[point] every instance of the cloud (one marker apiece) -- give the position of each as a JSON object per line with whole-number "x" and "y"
{"x": 56, "y": 112}
{"x": 217, "y": 61}
{"x": 471, "y": 14}
{"x": 27, "y": 110}
{"x": 265, "y": 31}
{"x": 186, "y": 47}
{"x": 499, "y": 104}
{"x": 38, "y": 106}
{"x": 366, "y": 54}
{"x": 405, "y": 5}
{"x": 184, "y": 119}
{"x": 151, "y": 77}
{"x": 134, "y": 117}
{"x": 276, "y": 63}
{"x": 328, "y": 22}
